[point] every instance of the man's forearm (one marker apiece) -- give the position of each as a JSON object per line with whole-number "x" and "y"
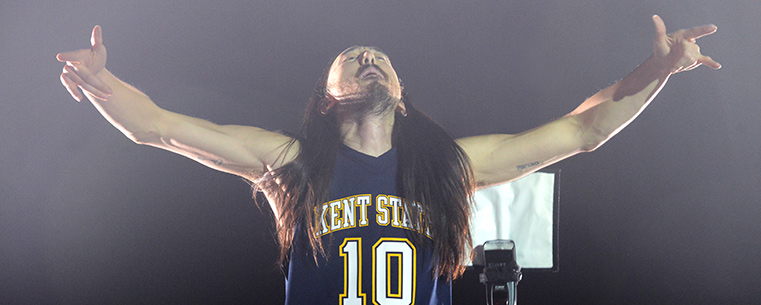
{"x": 128, "y": 109}
{"x": 607, "y": 112}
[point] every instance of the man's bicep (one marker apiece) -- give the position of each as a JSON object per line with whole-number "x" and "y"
{"x": 271, "y": 149}
{"x": 500, "y": 158}
{"x": 241, "y": 150}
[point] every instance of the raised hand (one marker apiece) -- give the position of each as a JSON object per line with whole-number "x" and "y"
{"x": 678, "y": 51}
{"x": 82, "y": 67}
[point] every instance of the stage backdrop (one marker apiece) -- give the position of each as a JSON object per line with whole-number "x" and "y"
{"x": 525, "y": 211}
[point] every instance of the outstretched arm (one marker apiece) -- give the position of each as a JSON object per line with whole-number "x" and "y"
{"x": 240, "y": 150}
{"x": 503, "y": 158}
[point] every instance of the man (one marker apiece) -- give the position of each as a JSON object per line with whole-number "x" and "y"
{"x": 372, "y": 199}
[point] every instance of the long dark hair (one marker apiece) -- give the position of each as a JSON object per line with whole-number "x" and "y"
{"x": 432, "y": 170}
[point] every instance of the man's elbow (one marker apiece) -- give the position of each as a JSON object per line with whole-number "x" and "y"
{"x": 593, "y": 138}
{"x": 589, "y": 135}
{"x": 143, "y": 137}
{"x": 148, "y": 132}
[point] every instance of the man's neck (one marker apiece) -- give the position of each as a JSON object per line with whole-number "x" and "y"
{"x": 369, "y": 134}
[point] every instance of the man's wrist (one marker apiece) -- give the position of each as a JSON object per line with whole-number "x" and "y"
{"x": 657, "y": 67}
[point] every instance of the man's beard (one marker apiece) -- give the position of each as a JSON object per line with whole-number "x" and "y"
{"x": 375, "y": 99}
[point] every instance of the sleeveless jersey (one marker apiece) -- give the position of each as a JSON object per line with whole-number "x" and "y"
{"x": 372, "y": 257}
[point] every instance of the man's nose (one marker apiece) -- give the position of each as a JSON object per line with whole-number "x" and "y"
{"x": 366, "y": 58}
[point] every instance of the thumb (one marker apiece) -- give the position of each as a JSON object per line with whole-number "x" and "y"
{"x": 660, "y": 27}
{"x": 660, "y": 41}
{"x": 97, "y": 37}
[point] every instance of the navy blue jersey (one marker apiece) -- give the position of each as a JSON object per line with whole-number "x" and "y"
{"x": 372, "y": 257}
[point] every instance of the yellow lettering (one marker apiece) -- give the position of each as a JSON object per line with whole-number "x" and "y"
{"x": 322, "y": 219}
{"x": 395, "y": 204}
{"x": 348, "y": 212}
{"x": 380, "y": 206}
{"x": 335, "y": 208}
{"x": 362, "y": 202}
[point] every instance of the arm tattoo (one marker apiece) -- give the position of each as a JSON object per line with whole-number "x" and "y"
{"x": 527, "y": 165}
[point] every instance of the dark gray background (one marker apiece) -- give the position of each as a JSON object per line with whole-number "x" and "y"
{"x": 666, "y": 213}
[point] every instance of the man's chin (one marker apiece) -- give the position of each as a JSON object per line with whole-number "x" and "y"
{"x": 373, "y": 93}
{"x": 372, "y": 104}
